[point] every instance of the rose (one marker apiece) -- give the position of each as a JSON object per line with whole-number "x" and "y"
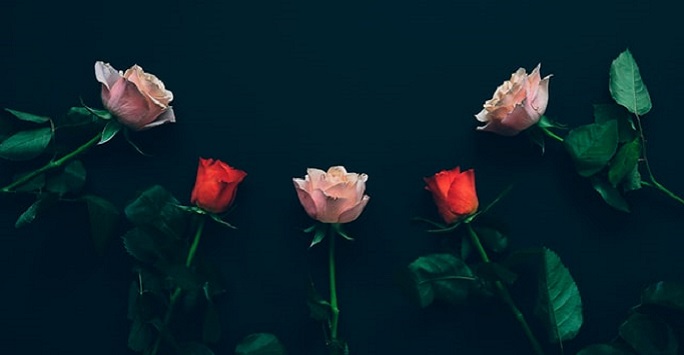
{"x": 216, "y": 185}
{"x": 517, "y": 104}
{"x": 138, "y": 100}
{"x": 454, "y": 193}
{"x": 335, "y": 196}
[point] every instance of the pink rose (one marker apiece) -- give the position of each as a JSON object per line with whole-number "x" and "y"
{"x": 335, "y": 196}
{"x": 137, "y": 99}
{"x": 517, "y": 104}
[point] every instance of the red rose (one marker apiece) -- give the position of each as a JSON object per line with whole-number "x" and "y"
{"x": 454, "y": 193}
{"x": 215, "y": 185}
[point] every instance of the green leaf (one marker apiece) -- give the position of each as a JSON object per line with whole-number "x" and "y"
{"x": 28, "y": 117}
{"x": 103, "y": 220}
{"x": 604, "y": 349}
{"x": 632, "y": 180}
{"x": 109, "y": 131}
{"x": 260, "y": 344}
{"x": 592, "y": 146}
{"x": 626, "y": 85}
{"x": 69, "y": 180}
{"x": 26, "y": 145}
{"x": 649, "y": 335}
{"x": 35, "y": 184}
{"x": 41, "y": 204}
{"x": 211, "y": 328}
{"x": 439, "y": 277}
{"x": 493, "y": 239}
{"x": 606, "y": 112}
{"x": 156, "y": 208}
{"x": 195, "y": 349}
{"x": 546, "y": 122}
{"x": 665, "y": 294}
{"x": 141, "y": 336}
{"x": 319, "y": 230}
{"x": 80, "y": 115}
{"x": 624, "y": 162}
{"x": 559, "y": 305}
{"x": 142, "y": 245}
{"x": 609, "y": 194}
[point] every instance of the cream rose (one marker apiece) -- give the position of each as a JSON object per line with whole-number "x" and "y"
{"x": 517, "y": 104}
{"x": 137, "y": 99}
{"x": 335, "y": 196}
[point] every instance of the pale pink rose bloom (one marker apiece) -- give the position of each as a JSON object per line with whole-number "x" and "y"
{"x": 139, "y": 100}
{"x": 335, "y": 196}
{"x": 517, "y": 104}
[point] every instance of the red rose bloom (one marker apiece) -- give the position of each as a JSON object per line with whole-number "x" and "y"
{"x": 215, "y": 185}
{"x": 454, "y": 193}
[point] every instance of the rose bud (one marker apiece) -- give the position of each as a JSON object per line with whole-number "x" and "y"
{"x": 517, "y": 104}
{"x": 454, "y": 193}
{"x": 137, "y": 99}
{"x": 216, "y": 185}
{"x": 335, "y": 196}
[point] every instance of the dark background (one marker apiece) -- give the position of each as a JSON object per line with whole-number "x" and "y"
{"x": 388, "y": 88}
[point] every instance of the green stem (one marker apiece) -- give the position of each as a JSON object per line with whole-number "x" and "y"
{"x": 333, "y": 293}
{"x": 505, "y": 295}
{"x": 549, "y": 133}
{"x": 177, "y": 291}
{"x": 52, "y": 164}
{"x": 656, "y": 185}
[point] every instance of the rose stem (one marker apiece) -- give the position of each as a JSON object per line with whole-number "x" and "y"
{"x": 549, "y": 133}
{"x": 53, "y": 164}
{"x": 333, "y": 294}
{"x": 177, "y": 291}
{"x": 654, "y": 183}
{"x": 504, "y": 294}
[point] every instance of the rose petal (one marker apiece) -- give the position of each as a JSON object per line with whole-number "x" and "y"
{"x": 354, "y": 212}
{"x": 106, "y": 74}
{"x": 167, "y": 116}
{"x": 462, "y": 197}
{"x": 305, "y": 199}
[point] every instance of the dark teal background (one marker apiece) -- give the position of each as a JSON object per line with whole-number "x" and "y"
{"x": 388, "y": 88}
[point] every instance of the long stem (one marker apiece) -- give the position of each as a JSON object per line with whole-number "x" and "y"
{"x": 177, "y": 291}
{"x": 654, "y": 182}
{"x": 505, "y": 295}
{"x": 333, "y": 293}
{"x": 52, "y": 164}
{"x": 549, "y": 133}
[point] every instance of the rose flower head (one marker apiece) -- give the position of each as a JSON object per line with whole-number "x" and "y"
{"x": 517, "y": 104}
{"x": 137, "y": 99}
{"x": 335, "y": 196}
{"x": 454, "y": 193}
{"x": 216, "y": 185}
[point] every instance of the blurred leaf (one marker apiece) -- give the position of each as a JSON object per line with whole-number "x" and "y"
{"x": 103, "y": 220}
{"x": 592, "y": 146}
{"x": 35, "y": 184}
{"x": 195, "y": 349}
{"x": 466, "y": 248}
{"x": 624, "y": 162}
{"x": 260, "y": 344}
{"x": 70, "y": 180}
{"x": 109, "y": 131}
{"x": 493, "y": 239}
{"x": 665, "y": 294}
{"x": 211, "y": 329}
{"x": 319, "y": 230}
{"x": 604, "y": 349}
{"x": 26, "y": 145}
{"x": 649, "y": 335}
{"x": 319, "y": 309}
{"x": 626, "y": 85}
{"x": 42, "y": 203}
{"x": 141, "y": 336}
{"x": 141, "y": 245}
{"x": 439, "y": 277}
{"x": 546, "y": 122}
{"x": 496, "y": 272}
{"x": 559, "y": 305}
{"x": 156, "y": 208}
{"x": 536, "y": 135}
{"x": 626, "y": 129}
{"x": 28, "y": 117}
{"x": 609, "y": 194}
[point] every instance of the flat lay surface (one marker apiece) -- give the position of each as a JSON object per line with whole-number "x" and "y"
{"x": 385, "y": 88}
